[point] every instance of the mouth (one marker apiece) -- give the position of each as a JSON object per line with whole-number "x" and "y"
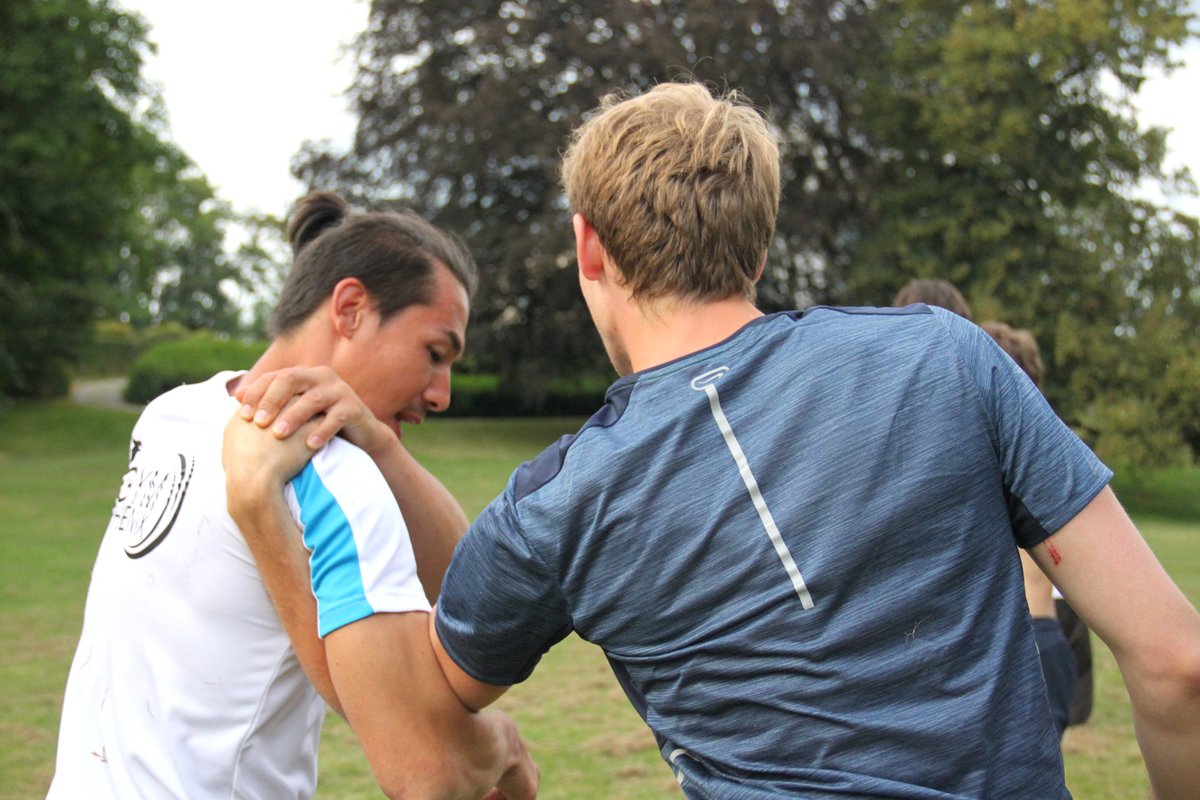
{"x": 405, "y": 418}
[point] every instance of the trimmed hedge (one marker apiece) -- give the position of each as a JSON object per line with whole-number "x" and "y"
{"x": 115, "y": 346}
{"x": 199, "y": 356}
{"x": 191, "y": 360}
{"x": 483, "y": 395}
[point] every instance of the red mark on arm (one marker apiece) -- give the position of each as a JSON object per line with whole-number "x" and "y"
{"x": 1055, "y": 556}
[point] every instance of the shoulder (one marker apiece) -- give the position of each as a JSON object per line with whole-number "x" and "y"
{"x": 343, "y": 475}
{"x": 194, "y": 402}
{"x": 547, "y": 465}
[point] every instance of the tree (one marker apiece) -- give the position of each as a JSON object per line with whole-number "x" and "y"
{"x": 1007, "y": 165}
{"x": 465, "y": 107}
{"x": 262, "y": 259}
{"x": 971, "y": 141}
{"x": 178, "y": 234}
{"x": 93, "y": 199}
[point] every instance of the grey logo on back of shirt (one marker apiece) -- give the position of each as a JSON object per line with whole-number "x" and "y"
{"x": 706, "y": 378}
{"x": 151, "y": 495}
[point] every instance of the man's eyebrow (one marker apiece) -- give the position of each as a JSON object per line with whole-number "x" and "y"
{"x": 455, "y": 342}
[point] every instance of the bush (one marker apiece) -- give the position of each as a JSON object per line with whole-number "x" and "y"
{"x": 483, "y": 395}
{"x": 1129, "y": 434}
{"x": 116, "y": 345}
{"x": 190, "y": 360}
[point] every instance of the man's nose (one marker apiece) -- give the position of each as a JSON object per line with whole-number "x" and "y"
{"x": 437, "y": 394}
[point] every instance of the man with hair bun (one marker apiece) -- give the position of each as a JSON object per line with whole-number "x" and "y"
{"x": 185, "y": 684}
{"x": 793, "y": 534}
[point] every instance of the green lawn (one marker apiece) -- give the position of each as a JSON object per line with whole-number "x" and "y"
{"x": 60, "y": 467}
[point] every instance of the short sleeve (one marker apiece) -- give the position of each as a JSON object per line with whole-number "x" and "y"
{"x": 501, "y": 606}
{"x": 361, "y": 558}
{"x": 1050, "y": 475}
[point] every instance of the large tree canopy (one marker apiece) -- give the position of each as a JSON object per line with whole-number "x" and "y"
{"x": 99, "y": 213}
{"x": 993, "y": 144}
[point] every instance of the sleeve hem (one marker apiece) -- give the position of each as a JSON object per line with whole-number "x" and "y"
{"x": 454, "y": 648}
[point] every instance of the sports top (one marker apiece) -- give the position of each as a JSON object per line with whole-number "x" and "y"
{"x": 796, "y": 548}
{"x": 184, "y": 683}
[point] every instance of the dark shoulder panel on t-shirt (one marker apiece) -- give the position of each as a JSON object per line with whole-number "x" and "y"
{"x": 534, "y": 474}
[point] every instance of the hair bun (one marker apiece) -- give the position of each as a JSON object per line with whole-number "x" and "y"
{"x": 314, "y": 213}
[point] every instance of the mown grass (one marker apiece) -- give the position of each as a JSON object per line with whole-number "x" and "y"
{"x": 60, "y": 467}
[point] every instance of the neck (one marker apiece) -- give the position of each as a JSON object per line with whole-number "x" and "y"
{"x": 302, "y": 347}
{"x": 653, "y": 334}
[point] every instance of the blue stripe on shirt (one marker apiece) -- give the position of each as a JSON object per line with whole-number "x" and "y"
{"x": 336, "y": 580}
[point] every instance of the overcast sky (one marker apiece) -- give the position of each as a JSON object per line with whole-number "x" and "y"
{"x": 246, "y": 82}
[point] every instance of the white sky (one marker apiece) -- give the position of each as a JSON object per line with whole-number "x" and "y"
{"x": 246, "y": 82}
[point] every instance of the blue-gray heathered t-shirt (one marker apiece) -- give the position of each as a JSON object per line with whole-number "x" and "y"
{"x": 796, "y": 548}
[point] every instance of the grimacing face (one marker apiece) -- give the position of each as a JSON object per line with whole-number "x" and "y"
{"x": 401, "y": 367}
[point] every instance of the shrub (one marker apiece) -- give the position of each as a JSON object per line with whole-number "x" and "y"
{"x": 116, "y": 345}
{"x": 190, "y": 360}
{"x": 483, "y": 395}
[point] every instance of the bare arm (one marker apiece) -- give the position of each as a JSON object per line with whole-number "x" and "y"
{"x": 286, "y": 399}
{"x": 1109, "y": 575}
{"x": 420, "y": 740}
{"x": 378, "y": 672}
{"x": 254, "y": 495}
{"x": 1039, "y": 592}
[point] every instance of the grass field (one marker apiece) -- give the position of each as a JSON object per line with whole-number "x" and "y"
{"x": 60, "y": 466}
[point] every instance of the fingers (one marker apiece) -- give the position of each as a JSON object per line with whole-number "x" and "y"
{"x": 318, "y": 430}
{"x": 264, "y": 398}
{"x": 289, "y": 398}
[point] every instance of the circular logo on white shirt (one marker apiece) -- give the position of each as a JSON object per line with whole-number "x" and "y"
{"x": 151, "y": 495}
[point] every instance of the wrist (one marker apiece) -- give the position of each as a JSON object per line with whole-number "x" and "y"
{"x": 248, "y": 499}
{"x": 379, "y": 442}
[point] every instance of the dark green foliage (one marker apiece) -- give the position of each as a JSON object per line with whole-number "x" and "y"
{"x": 465, "y": 107}
{"x": 190, "y": 360}
{"x": 114, "y": 346}
{"x": 1164, "y": 493}
{"x": 972, "y": 142}
{"x": 475, "y": 395}
{"x": 1009, "y": 170}
{"x": 99, "y": 214}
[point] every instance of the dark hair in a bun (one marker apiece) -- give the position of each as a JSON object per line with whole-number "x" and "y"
{"x": 392, "y": 253}
{"x": 314, "y": 212}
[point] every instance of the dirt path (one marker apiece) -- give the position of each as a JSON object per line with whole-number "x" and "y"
{"x": 102, "y": 393}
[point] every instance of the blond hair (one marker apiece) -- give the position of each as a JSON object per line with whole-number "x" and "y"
{"x": 681, "y": 187}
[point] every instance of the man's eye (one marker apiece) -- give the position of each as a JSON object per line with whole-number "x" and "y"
{"x": 435, "y": 356}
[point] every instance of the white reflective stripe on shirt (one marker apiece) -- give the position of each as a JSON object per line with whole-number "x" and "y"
{"x": 760, "y": 504}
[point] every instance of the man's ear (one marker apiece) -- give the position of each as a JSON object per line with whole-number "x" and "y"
{"x": 348, "y": 306}
{"x": 588, "y": 250}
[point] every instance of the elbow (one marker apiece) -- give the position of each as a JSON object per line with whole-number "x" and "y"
{"x": 431, "y": 779}
{"x": 1171, "y": 673}
{"x": 1187, "y": 672}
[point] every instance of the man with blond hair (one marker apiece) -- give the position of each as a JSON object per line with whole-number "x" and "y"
{"x": 793, "y": 534}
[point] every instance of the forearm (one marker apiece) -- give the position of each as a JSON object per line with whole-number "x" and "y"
{"x": 1166, "y": 722}
{"x": 1109, "y": 575}
{"x": 420, "y": 740}
{"x": 485, "y": 750}
{"x": 275, "y": 543}
{"x": 434, "y": 518}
